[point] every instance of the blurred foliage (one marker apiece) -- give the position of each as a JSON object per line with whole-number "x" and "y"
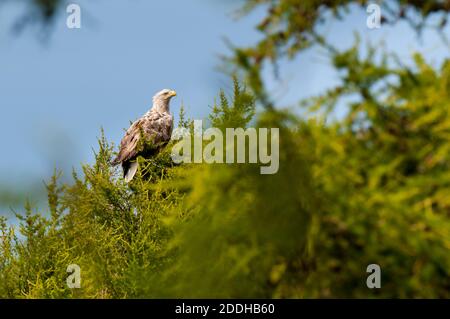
{"x": 291, "y": 26}
{"x": 371, "y": 188}
{"x": 35, "y": 12}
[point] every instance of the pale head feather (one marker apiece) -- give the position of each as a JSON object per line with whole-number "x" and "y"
{"x": 162, "y": 98}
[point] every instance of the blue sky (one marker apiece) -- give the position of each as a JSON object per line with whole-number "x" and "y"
{"x": 55, "y": 96}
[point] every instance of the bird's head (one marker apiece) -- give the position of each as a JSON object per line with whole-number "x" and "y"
{"x": 162, "y": 98}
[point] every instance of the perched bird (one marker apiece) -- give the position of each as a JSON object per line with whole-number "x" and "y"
{"x": 147, "y": 135}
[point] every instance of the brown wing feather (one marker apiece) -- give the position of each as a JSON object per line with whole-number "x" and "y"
{"x": 156, "y": 128}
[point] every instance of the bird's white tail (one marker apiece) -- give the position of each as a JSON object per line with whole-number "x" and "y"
{"x": 131, "y": 171}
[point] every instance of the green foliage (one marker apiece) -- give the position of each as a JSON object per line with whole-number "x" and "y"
{"x": 237, "y": 115}
{"x": 371, "y": 188}
{"x": 183, "y": 122}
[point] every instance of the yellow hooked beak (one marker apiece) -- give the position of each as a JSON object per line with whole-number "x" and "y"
{"x": 172, "y": 93}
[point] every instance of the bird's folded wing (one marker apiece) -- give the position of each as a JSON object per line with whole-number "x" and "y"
{"x": 129, "y": 143}
{"x": 156, "y": 129}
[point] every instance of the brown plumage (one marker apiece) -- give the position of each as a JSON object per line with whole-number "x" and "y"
{"x": 147, "y": 135}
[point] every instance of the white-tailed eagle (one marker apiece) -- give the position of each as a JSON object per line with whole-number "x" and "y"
{"x": 147, "y": 135}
